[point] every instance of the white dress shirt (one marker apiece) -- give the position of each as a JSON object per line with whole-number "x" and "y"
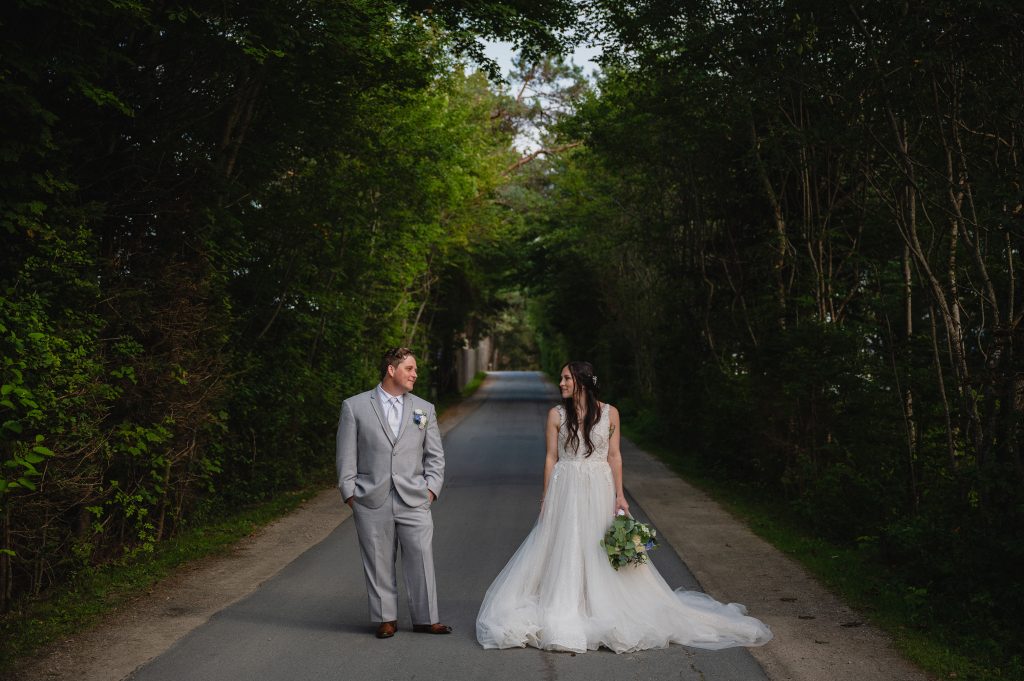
{"x": 392, "y": 408}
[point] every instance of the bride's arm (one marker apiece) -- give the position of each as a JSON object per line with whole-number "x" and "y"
{"x": 615, "y": 460}
{"x": 551, "y": 444}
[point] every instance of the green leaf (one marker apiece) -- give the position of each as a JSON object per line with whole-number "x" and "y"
{"x": 45, "y": 451}
{"x": 103, "y": 97}
{"x": 13, "y": 426}
{"x": 26, "y": 483}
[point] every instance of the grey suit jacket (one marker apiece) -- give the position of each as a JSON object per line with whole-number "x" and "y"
{"x": 370, "y": 458}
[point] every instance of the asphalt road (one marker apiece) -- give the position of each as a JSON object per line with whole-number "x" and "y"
{"x": 310, "y": 620}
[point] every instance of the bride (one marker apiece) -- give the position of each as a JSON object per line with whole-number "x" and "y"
{"x": 558, "y": 591}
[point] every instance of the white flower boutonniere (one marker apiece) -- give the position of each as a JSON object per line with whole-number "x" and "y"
{"x": 419, "y": 418}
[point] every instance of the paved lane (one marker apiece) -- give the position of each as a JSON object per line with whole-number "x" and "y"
{"x": 309, "y": 621}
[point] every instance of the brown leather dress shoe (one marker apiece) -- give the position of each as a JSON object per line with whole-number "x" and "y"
{"x": 435, "y": 628}
{"x": 387, "y": 629}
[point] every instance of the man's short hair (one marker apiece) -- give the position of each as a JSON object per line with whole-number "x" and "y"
{"x": 393, "y": 358}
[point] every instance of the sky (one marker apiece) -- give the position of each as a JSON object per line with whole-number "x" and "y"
{"x": 502, "y": 53}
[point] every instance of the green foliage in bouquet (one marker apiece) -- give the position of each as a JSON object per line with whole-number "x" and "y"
{"x": 628, "y": 541}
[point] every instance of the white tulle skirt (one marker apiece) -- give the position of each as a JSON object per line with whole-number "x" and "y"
{"x": 558, "y": 591}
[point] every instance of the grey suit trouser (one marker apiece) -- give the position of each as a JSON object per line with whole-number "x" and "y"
{"x": 381, "y": 530}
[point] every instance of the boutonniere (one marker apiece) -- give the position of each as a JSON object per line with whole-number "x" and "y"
{"x": 419, "y": 418}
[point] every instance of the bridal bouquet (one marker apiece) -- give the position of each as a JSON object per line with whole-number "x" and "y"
{"x": 627, "y": 541}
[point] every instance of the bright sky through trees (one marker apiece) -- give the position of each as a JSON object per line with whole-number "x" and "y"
{"x": 504, "y": 52}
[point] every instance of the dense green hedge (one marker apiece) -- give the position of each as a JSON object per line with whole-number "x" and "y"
{"x": 792, "y": 240}
{"x": 214, "y": 219}
{"x": 787, "y": 233}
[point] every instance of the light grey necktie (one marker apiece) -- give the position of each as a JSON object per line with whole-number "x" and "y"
{"x": 393, "y": 419}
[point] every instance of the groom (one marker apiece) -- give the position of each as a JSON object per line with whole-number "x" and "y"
{"x": 390, "y": 470}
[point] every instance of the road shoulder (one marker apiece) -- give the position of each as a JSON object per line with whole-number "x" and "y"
{"x": 147, "y": 626}
{"x": 730, "y": 562}
{"x": 816, "y": 635}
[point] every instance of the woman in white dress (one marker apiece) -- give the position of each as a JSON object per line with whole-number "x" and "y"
{"x": 558, "y": 591}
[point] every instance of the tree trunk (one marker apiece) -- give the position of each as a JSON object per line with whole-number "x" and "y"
{"x": 781, "y": 241}
{"x": 6, "y": 567}
{"x": 908, "y": 336}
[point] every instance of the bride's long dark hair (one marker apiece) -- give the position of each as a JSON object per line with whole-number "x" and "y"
{"x": 584, "y": 384}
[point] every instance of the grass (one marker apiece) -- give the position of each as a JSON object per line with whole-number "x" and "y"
{"x": 81, "y": 603}
{"x": 99, "y": 591}
{"x": 946, "y": 650}
{"x": 473, "y": 384}
{"x": 449, "y": 401}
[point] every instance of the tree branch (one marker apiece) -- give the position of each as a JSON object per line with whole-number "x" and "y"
{"x": 545, "y": 151}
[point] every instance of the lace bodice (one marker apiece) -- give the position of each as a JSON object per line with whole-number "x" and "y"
{"x": 598, "y": 435}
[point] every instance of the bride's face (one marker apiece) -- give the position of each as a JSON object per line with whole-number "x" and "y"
{"x": 566, "y": 384}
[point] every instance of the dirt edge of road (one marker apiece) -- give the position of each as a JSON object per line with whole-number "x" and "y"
{"x": 817, "y": 637}
{"x": 147, "y": 626}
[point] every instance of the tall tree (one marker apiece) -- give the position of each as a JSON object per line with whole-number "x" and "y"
{"x": 793, "y": 234}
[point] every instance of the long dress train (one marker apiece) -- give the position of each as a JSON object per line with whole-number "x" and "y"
{"x": 558, "y": 591}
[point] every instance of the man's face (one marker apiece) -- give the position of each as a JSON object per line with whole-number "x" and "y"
{"x": 403, "y": 376}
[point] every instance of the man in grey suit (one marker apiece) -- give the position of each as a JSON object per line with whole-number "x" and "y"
{"x": 390, "y": 470}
